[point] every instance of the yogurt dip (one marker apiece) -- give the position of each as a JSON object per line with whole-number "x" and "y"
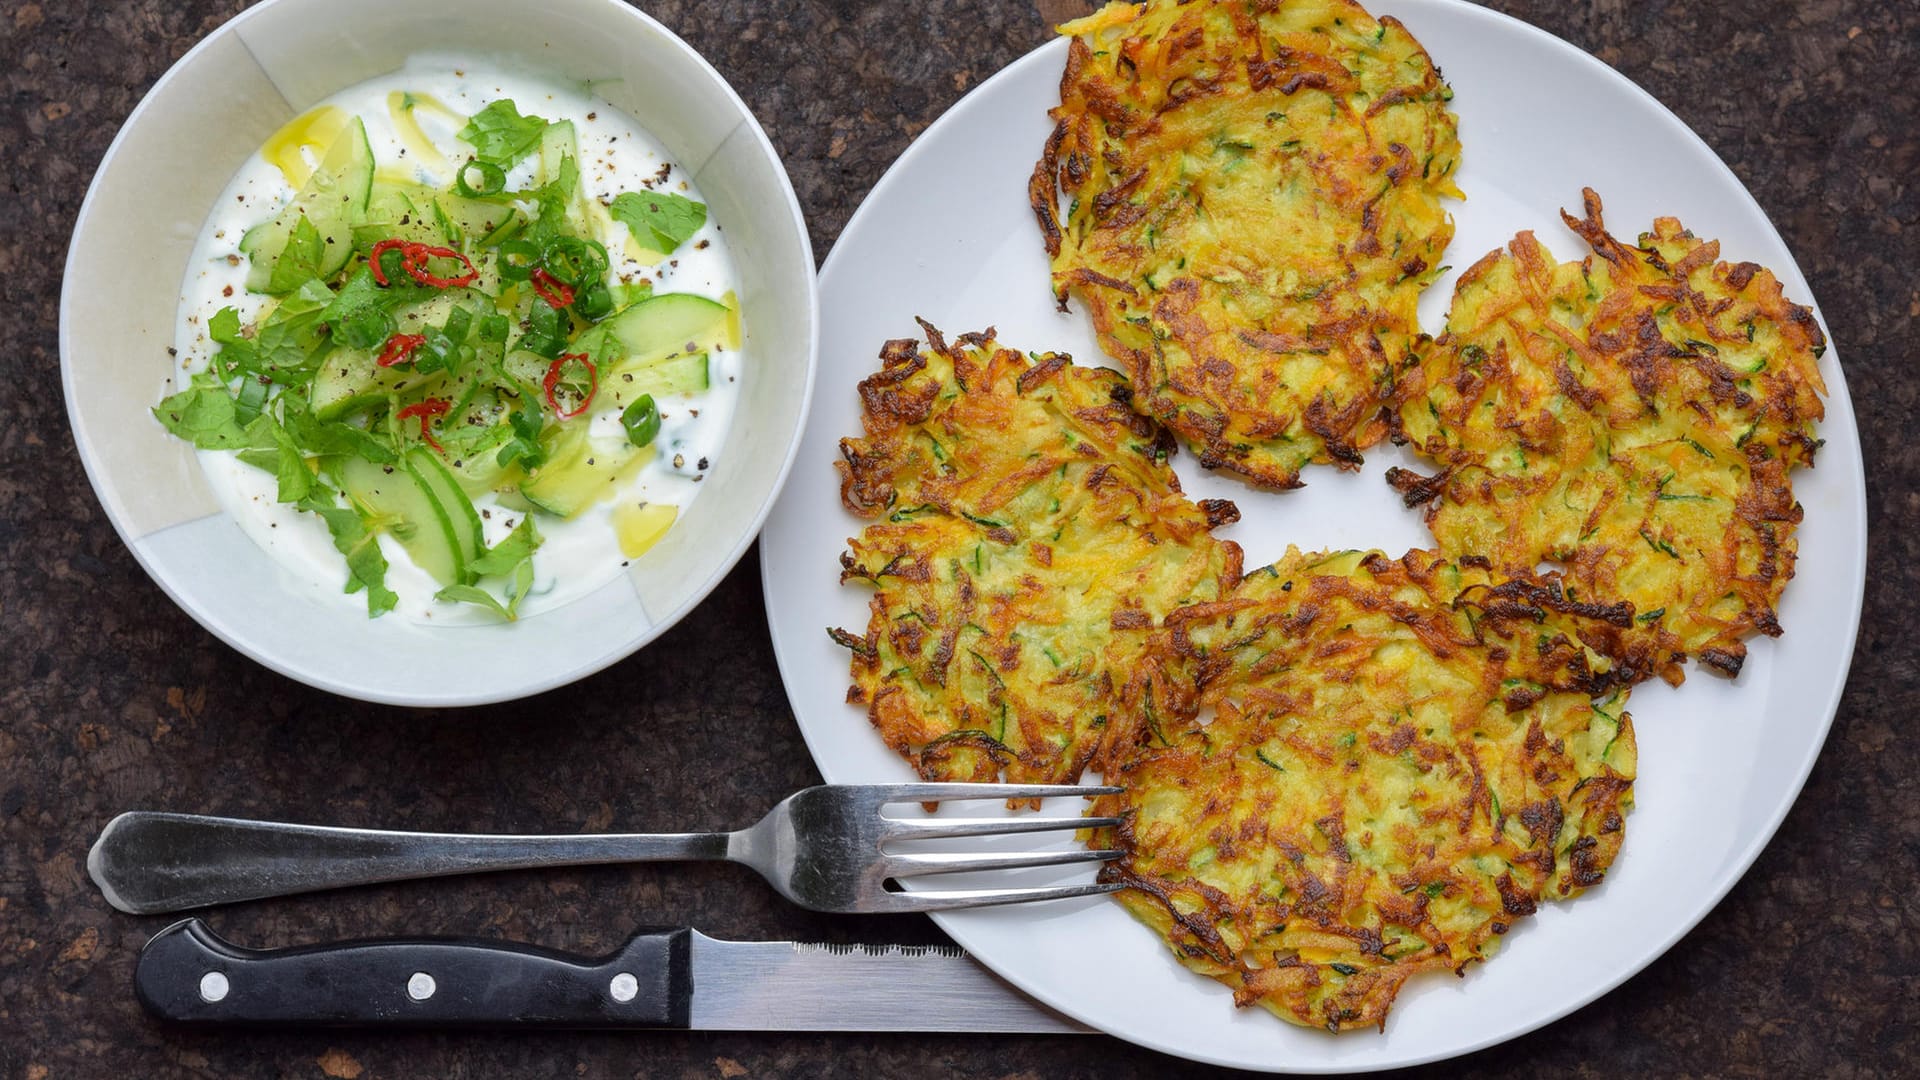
{"x": 411, "y": 119}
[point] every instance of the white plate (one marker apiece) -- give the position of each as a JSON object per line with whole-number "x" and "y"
{"x": 947, "y": 235}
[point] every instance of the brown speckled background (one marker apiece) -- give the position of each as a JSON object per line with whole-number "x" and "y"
{"x": 111, "y": 698}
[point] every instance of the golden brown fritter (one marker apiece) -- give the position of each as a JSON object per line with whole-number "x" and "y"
{"x": 1029, "y": 537}
{"x": 1405, "y": 757}
{"x": 1632, "y": 417}
{"x": 1253, "y": 208}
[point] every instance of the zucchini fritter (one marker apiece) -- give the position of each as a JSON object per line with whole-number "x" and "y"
{"x": 1391, "y": 778}
{"x": 1632, "y": 417}
{"x": 1253, "y": 210}
{"x": 1031, "y": 538}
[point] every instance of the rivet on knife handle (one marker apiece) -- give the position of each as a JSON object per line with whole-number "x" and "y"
{"x": 187, "y": 974}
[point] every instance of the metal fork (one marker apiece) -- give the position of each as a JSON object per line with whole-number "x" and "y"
{"x": 823, "y": 848}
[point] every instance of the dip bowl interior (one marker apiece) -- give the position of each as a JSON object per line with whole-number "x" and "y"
{"x": 122, "y": 291}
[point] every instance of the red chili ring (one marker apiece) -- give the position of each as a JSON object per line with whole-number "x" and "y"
{"x": 413, "y": 259}
{"x": 426, "y": 411}
{"x": 553, "y": 379}
{"x": 381, "y": 248}
{"x": 551, "y": 289}
{"x": 399, "y": 349}
{"x": 416, "y": 256}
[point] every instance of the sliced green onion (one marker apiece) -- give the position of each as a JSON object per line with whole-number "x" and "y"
{"x": 518, "y": 258}
{"x": 544, "y": 317}
{"x": 544, "y": 345}
{"x": 492, "y": 179}
{"x": 594, "y": 303}
{"x": 642, "y": 420}
{"x": 248, "y": 401}
{"x": 546, "y": 334}
{"x": 573, "y": 261}
{"x": 459, "y": 323}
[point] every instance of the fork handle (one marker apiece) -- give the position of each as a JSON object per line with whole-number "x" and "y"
{"x": 147, "y": 862}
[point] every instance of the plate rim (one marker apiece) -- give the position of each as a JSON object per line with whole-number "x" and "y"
{"x": 1838, "y": 395}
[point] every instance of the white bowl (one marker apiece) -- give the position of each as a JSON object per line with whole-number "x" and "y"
{"x": 146, "y": 207}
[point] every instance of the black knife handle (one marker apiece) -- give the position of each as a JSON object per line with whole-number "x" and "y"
{"x": 187, "y": 974}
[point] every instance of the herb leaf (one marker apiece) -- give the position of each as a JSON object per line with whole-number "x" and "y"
{"x": 500, "y": 136}
{"x": 512, "y": 558}
{"x": 296, "y": 480}
{"x": 299, "y": 261}
{"x": 288, "y": 345}
{"x": 361, "y": 295}
{"x": 471, "y": 594}
{"x": 324, "y": 438}
{"x": 525, "y": 447}
{"x": 366, "y": 566}
{"x": 518, "y": 546}
{"x": 669, "y": 219}
{"x": 204, "y": 416}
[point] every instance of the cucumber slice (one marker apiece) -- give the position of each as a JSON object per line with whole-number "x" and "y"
{"x": 404, "y": 209}
{"x": 581, "y": 471}
{"x": 349, "y": 379}
{"x": 475, "y": 218}
{"x": 476, "y": 466}
{"x": 334, "y": 199}
{"x": 462, "y": 518}
{"x": 659, "y": 327}
{"x": 528, "y": 368}
{"x": 403, "y": 506}
{"x": 675, "y": 375}
{"x": 399, "y": 209}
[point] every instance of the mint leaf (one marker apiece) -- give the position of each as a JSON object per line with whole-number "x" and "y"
{"x": 668, "y": 219}
{"x": 552, "y": 199}
{"x": 287, "y": 349}
{"x": 323, "y": 438}
{"x": 296, "y": 480}
{"x": 366, "y": 566}
{"x": 311, "y": 295}
{"x": 500, "y": 136}
{"x": 512, "y": 558}
{"x": 299, "y": 261}
{"x": 224, "y": 327}
{"x": 468, "y": 594}
{"x": 518, "y": 547}
{"x": 264, "y": 460}
{"x": 361, "y": 294}
{"x": 525, "y": 446}
{"x": 204, "y": 416}
{"x": 237, "y": 353}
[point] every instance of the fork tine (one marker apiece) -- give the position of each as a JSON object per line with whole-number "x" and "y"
{"x": 935, "y": 829}
{"x": 954, "y": 899}
{"x": 901, "y": 866}
{"x": 890, "y": 793}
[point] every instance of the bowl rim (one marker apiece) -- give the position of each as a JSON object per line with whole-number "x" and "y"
{"x": 101, "y": 483}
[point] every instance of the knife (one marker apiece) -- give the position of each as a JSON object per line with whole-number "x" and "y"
{"x": 678, "y": 978}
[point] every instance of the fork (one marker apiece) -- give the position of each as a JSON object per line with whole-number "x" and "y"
{"x": 822, "y": 847}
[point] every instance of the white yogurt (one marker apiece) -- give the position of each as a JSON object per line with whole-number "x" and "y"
{"x": 616, "y": 155}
